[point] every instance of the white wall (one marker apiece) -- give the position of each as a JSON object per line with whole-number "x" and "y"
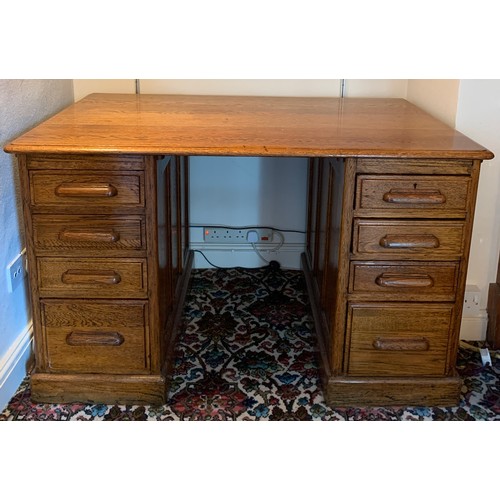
{"x": 473, "y": 108}
{"x": 478, "y": 116}
{"x": 375, "y": 88}
{"x": 243, "y": 87}
{"x": 437, "y": 97}
{"x": 24, "y": 103}
{"x": 82, "y": 88}
{"x": 270, "y": 87}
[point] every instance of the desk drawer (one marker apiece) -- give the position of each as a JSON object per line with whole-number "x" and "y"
{"x": 404, "y": 281}
{"x": 408, "y": 239}
{"x": 399, "y": 340}
{"x": 84, "y": 234}
{"x": 414, "y": 194}
{"x": 96, "y": 337}
{"x": 92, "y": 278}
{"x": 61, "y": 189}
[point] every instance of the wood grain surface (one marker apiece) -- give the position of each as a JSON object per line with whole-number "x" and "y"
{"x": 247, "y": 126}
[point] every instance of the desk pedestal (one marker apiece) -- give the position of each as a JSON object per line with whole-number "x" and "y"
{"x": 386, "y": 261}
{"x": 107, "y": 244}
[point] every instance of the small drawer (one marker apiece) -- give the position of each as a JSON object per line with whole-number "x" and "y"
{"x": 408, "y": 239}
{"x": 62, "y": 189}
{"x": 92, "y": 278}
{"x": 437, "y": 196}
{"x": 83, "y": 234}
{"x": 85, "y": 162}
{"x": 96, "y": 337}
{"x": 399, "y": 340}
{"x": 404, "y": 281}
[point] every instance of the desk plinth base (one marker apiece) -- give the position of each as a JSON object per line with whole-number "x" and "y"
{"x": 359, "y": 392}
{"x": 109, "y": 389}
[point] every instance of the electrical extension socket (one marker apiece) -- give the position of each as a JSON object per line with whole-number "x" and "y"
{"x": 228, "y": 235}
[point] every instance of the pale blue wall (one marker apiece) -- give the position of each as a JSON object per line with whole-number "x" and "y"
{"x": 23, "y": 104}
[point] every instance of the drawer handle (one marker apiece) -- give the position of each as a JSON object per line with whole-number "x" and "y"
{"x": 79, "y": 338}
{"x": 95, "y": 236}
{"x": 404, "y": 280}
{"x": 395, "y": 344}
{"x": 409, "y": 241}
{"x": 430, "y": 197}
{"x": 84, "y": 189}
{"x": 84, "y": 277}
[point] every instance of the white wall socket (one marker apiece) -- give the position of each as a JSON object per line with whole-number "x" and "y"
{"x": 472, "y": 300}
{"x": 16, "y": 271}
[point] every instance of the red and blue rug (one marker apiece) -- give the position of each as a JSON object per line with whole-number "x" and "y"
{"x": 247, "y": 352}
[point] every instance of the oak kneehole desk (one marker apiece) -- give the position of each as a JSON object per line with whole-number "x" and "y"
{"x": 391, "y": 199}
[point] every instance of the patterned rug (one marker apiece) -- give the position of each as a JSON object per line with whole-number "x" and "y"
{"x": 247, "y": 352}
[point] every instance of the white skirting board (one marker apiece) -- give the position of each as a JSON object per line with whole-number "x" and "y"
{"x": 15, "y": 364}
{"x": 474, "y": 327}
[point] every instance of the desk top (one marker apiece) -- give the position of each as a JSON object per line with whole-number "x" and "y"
{"x": 247, "y": 126}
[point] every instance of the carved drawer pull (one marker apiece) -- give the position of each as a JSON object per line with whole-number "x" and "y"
{"x": 404, "y": 280}
{"x": 395, "y": 344}
{"x": 85, "y": 189}
{"x": 78, "y": 338}
{"x": 409, "y": 241}
{"x": 429, "y": 197}
{"x": 110, "y": 236}
{"x": 84, "y": 277}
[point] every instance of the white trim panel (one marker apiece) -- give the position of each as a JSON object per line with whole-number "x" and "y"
{"x": 14, "y": 365}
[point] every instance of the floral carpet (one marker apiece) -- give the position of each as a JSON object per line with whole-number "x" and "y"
{"x": 247, "y": 352}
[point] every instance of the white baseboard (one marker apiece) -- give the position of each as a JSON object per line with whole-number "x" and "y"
{"x": 474, "y": 327}
{"x": 243, "y": 255}
{"x": 15, "y": 364}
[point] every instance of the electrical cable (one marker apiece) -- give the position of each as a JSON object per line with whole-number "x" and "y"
{"x": 234, "y": 267}
{"x": 256, "y": 250}
{"x": 275, "y": 249}
{"x": 206, "y": 258}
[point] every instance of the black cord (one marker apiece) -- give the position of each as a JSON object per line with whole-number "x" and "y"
{"x": 273, "y": 263}
{"x": 205, "y": 257}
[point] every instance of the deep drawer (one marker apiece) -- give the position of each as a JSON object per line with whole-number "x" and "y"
{"x": 97, "y": 337}
{"x": 398, "y": 339}
{"x": 404, "y": 281}
{"x": 92, "y": 278}
{"x": 408, "y": 239}
{"x": 88, "y": 192}
{"x": 84, "y": 234}
{"x": 437, "y": 196}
